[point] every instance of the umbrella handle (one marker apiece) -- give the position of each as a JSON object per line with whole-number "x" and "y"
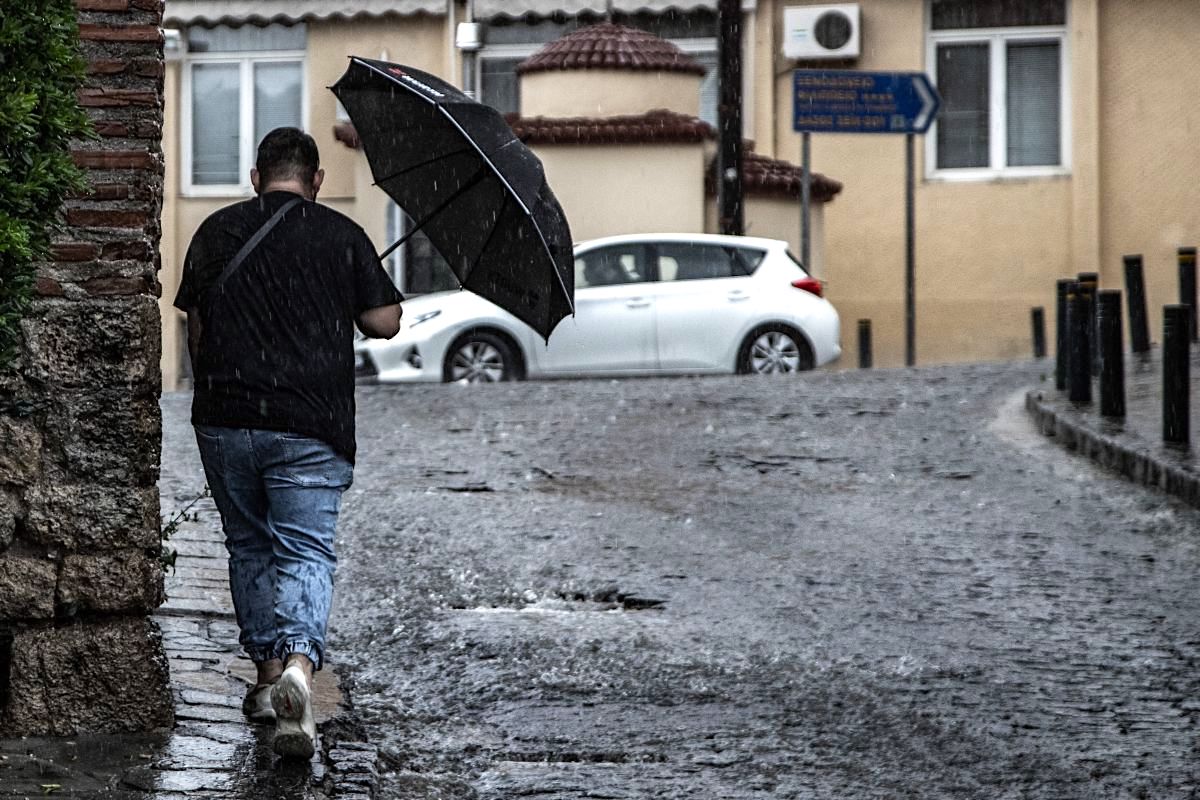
{"x": 476, "y": 178}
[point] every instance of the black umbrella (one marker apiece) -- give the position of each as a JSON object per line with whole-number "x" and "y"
{"x": 476, "y": 191}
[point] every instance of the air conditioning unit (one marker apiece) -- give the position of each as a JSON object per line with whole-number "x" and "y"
{"x": 822, "y": 32}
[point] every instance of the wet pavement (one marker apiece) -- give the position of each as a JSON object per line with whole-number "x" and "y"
{"x": 855, "y": 584}
{"x": 851, "y": 585}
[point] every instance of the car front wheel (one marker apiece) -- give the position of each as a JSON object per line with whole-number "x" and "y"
{"x": 774, "y": 349}
{"x": 480, "y": 357}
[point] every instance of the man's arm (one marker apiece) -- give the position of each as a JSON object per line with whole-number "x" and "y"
{"x": 193, "y": 335}
{"x": 381, "y": 322}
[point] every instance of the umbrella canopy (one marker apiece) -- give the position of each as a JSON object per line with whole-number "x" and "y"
{"x": 471, "y": 186}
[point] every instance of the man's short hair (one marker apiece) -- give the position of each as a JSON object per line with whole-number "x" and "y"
{"x": 285, "y": 154}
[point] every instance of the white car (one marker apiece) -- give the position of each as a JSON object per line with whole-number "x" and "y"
{"x": 644, "y": 304}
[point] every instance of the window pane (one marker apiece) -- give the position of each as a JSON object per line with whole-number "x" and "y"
{"x": 276, "y": 97}
{"x": 695, "y": 262}
{"x": 673, "y": 24}
{"x": 609, "y": 266}
{"x": 1034, "y": 112}
{"x": 498, "y": 85}
{"x": 424, "y": 268}
{"x": 246, "y": 39}
{"x": 709, "y": 91}
{"x": 416, "y": 267}
{"x": 216, "y": 120}
{"x": 506, "y": 30}
{"x": 962, "y": 125}
{"x": 956, "y": 14}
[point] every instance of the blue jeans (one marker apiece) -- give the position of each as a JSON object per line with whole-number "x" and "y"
{"x": 279, "y": 496}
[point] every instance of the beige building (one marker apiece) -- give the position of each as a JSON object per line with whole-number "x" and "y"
{"x": 1061, "y": 144}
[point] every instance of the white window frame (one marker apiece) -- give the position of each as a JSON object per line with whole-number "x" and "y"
{"x": 998, "y": 40}
{"x": 248, "y": 147}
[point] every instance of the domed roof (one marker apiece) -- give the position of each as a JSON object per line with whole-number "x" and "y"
{"x": 609, "y": 46}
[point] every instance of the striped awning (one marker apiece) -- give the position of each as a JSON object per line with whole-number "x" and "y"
{"x": 237, "y": 12}
{"x": 543, "y": 8}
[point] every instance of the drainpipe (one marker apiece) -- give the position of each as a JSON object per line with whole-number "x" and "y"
{"x": 730, "y": 211}
{"x": 468, "y": 39}
{"x": 451, "y": 26}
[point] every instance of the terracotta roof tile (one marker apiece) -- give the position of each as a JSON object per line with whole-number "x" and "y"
{"x": 608, "y": 46}
{"x": 772, "y": 177}
{"x": 664, "y": 127}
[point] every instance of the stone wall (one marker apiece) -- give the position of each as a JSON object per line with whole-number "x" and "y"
{"x": 79, "y": 421}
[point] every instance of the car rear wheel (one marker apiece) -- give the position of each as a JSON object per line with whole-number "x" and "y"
{"x": 772, "y": 350}
{"x": 480, "y": 357}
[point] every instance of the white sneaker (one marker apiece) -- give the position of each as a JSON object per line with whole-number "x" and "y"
{"x": 295, "y": 728}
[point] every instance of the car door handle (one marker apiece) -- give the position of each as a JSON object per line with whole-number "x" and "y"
{"x": 636, "y": 302}
{"x": 738, "y": 295}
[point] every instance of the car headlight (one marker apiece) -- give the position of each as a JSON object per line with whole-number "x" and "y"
{"x": 425, "y": 317}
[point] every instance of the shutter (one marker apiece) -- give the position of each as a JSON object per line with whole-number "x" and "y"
{"x": 709, "y": 90}
{"x": 1034, "y": 109}
{"x": 276, "y": 96}
{"x": 216, "y": 124}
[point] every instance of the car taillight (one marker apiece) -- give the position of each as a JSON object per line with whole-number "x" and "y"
{"x": 809, "y": 284}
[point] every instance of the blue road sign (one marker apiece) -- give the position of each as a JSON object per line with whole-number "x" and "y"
{"x": 849, "y": 101}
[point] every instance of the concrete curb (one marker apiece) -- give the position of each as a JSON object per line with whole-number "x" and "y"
{"x": 1138, "y": 463}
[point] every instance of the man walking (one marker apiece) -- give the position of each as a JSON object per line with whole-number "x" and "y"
{"x": 272, "y": 288}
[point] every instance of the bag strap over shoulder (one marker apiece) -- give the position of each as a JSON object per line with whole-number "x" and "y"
{"x": 254, "y": 241}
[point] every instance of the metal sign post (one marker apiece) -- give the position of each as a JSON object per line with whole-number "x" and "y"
{"x": 910, "y": 254}
{"x": 805, "y": 200}
{"x": 849, "y": 101}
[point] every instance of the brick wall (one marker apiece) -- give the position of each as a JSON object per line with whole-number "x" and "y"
{"x": 79, "y": 445}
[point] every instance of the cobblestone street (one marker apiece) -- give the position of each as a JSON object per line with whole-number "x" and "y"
{"x": 853, "y": 585}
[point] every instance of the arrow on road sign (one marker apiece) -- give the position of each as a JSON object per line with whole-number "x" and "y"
{"x": 849, "y": 101}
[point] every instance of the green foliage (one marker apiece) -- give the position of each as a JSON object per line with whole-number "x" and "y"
{"x": 40, "y": 73}
{"x": 168, "y": 525}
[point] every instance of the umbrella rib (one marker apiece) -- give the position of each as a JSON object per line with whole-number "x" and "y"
{"x": 426, "y": 163}
{"x": 476, "y": 178}
{"x": 487, "y": 162}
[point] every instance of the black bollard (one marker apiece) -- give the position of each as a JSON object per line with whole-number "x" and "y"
{"x": 864, "y": 344}
{"x": 1038, "y": 318}
{"x": 1135, "y": 296}
{"x": 1061, "y": 335}
{"x": 1176, "y": 343}
{"x": 1112, "y": 358}
{"x": 1089, "y": 284}
{"x": 1187, "y": 285}
{"x": 1079, "y": 368}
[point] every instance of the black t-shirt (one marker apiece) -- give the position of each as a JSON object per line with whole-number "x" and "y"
{"x": 277, "y": 340}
